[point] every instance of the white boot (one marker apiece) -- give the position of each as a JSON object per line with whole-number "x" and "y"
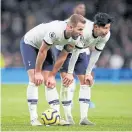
{"x": 35, "y": 122}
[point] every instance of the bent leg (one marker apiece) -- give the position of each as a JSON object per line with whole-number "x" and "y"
{"x": 51, "y": 94}
{"x": 84, "y": 99}
{"x": 66, "y": 95}
{"x": 29, "y": 55}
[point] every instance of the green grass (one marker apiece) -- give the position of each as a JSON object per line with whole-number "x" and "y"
{"x": 113, "y": 111}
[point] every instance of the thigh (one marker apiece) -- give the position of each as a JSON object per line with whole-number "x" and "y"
{"x": 50, "y": 60}
{"x": 45, "y": 75}
{"x": 63, "y": 74}
{"x": 81, "y": 64}
{"x": 29, "y": 55}
{"x": 64, "y": 68}
{"x": 81, "y": 79}
{"x": 31, "y": 75}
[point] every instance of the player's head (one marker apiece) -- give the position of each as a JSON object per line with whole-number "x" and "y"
{"x": 102, "y": 23}
{"x": 80, "y": 9}
{"x": 75, "y": 25}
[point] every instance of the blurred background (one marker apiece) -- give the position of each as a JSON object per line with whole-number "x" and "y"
{"x": 113, "y": 102}
{"x": 19, "y": 16}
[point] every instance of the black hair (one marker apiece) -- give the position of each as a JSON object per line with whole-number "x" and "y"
{"x": 101, "y": 19}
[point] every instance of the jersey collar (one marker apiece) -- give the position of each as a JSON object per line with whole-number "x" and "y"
{"x": 65, "y": 35}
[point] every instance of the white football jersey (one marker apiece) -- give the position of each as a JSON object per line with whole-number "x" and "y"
{"x": 87, "y": 40}
{"x": 59, "y": 47}
{"x": 51, "y": 33}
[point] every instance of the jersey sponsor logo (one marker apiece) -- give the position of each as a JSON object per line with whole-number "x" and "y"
{"x": 52, "y": 35}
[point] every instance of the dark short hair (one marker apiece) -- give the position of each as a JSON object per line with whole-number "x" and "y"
{"x": 101, "y": 19}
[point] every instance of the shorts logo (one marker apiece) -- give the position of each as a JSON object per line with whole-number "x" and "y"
{"x": 52, "y": 35}
{"x": 29, "y": 63}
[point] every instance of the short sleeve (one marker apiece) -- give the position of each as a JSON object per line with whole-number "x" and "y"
{"x": 50, "y": 38}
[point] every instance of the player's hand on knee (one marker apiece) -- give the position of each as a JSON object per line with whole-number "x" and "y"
{"x": 51, "y": 82}
{"x": 68, "y": 79}
{"x": 88, "y": 80}
{"x": 38, "y": 78}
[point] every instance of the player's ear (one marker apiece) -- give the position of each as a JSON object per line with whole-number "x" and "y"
{"x": 69, "y": 27}
{"x": 95, "y": 26}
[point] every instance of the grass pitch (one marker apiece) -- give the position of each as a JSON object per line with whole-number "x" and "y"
{"x": 113, "y": 111}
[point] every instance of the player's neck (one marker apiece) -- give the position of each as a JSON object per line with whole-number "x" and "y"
{"x": 66, "y": 34}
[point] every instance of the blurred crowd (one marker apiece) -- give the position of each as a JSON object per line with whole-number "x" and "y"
{"x": 19, "y": 16}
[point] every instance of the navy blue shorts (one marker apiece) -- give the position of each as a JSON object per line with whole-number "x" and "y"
{"x": 80, "y": 66}
{"x": 29, "y": 55}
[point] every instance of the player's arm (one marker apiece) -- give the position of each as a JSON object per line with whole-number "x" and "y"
{"x": 46, "y": 44}
{"x": 60, "y": 60}
{"x": 41, "y": 56}
{"x": 51, "y": 83}
{"x": 96, "y": 53}
{"x": 68, "y": 79}
{"x": 48, "y": 41}
{"x": 75, "y": 53}
{"x": 73, "y": 60}
{"x": 94, "y": 58}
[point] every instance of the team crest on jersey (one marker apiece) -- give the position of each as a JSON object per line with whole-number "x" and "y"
{"x": 52, "y": 35}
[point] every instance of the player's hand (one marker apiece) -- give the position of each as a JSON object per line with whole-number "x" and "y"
{"x": 38, "y": 78}
{"x": 68, "y": 79}
{"x": 51, "y": 82}
{"x": 88, "y": 80}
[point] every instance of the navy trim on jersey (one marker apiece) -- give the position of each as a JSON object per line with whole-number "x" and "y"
{"x": 97, "y": 49}
{"x": 78, "y": 47}
{"x": 94, "y": 35}
{"x": 65, "y": 35}
{"x": 47, "y": 43}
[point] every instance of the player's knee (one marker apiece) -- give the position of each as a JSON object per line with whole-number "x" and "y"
{"x": 81, "y": 79}
{"x": 45, "y": 79}
{"x": 63, "y": 74}
{"x": 82, "y": 83}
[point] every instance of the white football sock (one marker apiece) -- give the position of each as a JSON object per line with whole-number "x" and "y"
{"x": 32, "y": 98}
{"x": 66, "y": 102}
{"x": 72, "y": 88}
{"x": 84, "y": 98}
{"x": 52, "y": 98}
{"x": 66, "y": 98}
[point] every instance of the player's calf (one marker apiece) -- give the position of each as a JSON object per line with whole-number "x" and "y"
{"x": 67, "y": 103}
{"x": 52, "y": 98}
